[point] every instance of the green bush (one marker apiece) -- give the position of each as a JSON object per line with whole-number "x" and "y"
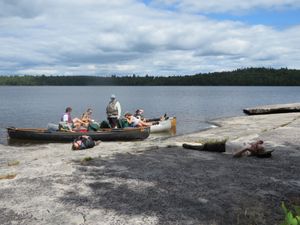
{"x": 292, "y": 217}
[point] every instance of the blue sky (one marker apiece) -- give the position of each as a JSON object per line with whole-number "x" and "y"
{"x": 279, "y": 19}
{"x": 156, "y": 37}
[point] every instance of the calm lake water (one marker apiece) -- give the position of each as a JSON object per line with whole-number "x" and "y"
{"x": 193, "y": 106}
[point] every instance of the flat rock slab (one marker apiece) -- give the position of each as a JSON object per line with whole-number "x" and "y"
{"x": 156, "y": 181}
{"x": 269, "y": 109}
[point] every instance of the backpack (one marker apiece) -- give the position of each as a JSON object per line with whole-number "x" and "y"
{"x": 93, "y": 126}
{"x": 122, "y": 123}
{"x": 64, "y": 126}
{"x": 104, "y": 124}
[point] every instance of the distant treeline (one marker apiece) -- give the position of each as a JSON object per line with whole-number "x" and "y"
{"x": 239, "y": 77}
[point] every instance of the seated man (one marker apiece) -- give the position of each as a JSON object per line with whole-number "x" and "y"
{"x": 67, "y": 120}
{"x": 139, "y": 114}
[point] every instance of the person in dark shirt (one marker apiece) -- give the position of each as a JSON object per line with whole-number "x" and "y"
{"x": 84, "y": 142}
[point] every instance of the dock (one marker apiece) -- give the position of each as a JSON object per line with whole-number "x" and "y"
{"x": 271, "y": 109}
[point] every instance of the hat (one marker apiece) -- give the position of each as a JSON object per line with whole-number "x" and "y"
{"x": 139, "y": 111}
{"x": 112, "y": 96}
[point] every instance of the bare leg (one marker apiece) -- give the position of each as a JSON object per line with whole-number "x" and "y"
{"x": 240, "y": 153}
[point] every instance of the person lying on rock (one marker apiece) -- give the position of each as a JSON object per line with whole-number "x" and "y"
{"x": 255, "y": 149}
{"x": 84, "y": 142}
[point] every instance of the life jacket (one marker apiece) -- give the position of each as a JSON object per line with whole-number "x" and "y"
{"x": 111, "y": 109}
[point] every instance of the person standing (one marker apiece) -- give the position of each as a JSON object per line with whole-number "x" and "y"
{"x": 113, "y": 111}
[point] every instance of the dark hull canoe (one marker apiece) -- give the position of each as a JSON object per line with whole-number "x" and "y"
{"x": 35, "y": 134}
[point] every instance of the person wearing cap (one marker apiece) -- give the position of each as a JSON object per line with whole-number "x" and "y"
{"x": 113, "y": 111}
{"x": 139, "y": 114}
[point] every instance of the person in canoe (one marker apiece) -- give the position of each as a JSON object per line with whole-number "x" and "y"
{"x": 135, "y": 122}
{"x": 86, "y": 117}
{"x": 139, "y": 114}
{"x": 88, "y": 122}
{"x": 68, "y": 123}
{"x": 113, "y": 111}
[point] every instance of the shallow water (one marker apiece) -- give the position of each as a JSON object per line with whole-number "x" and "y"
{"x": 193, "y": 106}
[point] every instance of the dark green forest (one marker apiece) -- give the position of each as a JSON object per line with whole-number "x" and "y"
{"x": 239, "y": 77}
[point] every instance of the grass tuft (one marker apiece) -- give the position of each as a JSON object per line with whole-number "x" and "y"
{"x": 13, "y": 163}
{"x": 85, "y": 160}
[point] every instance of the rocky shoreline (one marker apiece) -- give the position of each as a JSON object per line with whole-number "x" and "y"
{"x": 156, "y": 181}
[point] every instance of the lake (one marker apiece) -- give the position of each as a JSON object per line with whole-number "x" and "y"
{"x": 26, "y": 106}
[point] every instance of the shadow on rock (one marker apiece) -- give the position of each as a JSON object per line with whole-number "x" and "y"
{"x": 186, "y": 187}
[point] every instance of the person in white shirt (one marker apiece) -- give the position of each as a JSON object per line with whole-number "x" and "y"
{"x": 135, "y": 122}
{"x": 68, "y": 121}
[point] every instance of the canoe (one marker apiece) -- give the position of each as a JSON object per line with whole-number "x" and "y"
{"x": 36, "y": 134}
{"x": 167, "y": 125}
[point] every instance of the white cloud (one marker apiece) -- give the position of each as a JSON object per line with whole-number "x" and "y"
{"x": 125, "y": 37}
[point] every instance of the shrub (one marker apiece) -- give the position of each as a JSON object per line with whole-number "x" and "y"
{"x": 292, "y": 217}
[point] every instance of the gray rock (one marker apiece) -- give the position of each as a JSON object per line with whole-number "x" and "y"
{"x": 132, "y": 183}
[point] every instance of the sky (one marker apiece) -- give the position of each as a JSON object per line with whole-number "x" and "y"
{"x": 154, "y": 37}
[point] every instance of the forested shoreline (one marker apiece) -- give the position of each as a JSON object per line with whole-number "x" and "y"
{"x": 239, "y": 77}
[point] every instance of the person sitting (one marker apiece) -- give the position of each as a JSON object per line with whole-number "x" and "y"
{"x": 86, "y": 117}
{"x": 139, "y": 114}
{"x": 255, "y": 149}
{"x": 84, "y": 142}
{"x": 67, "y": 121}
{"x": 135, "y": 122}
